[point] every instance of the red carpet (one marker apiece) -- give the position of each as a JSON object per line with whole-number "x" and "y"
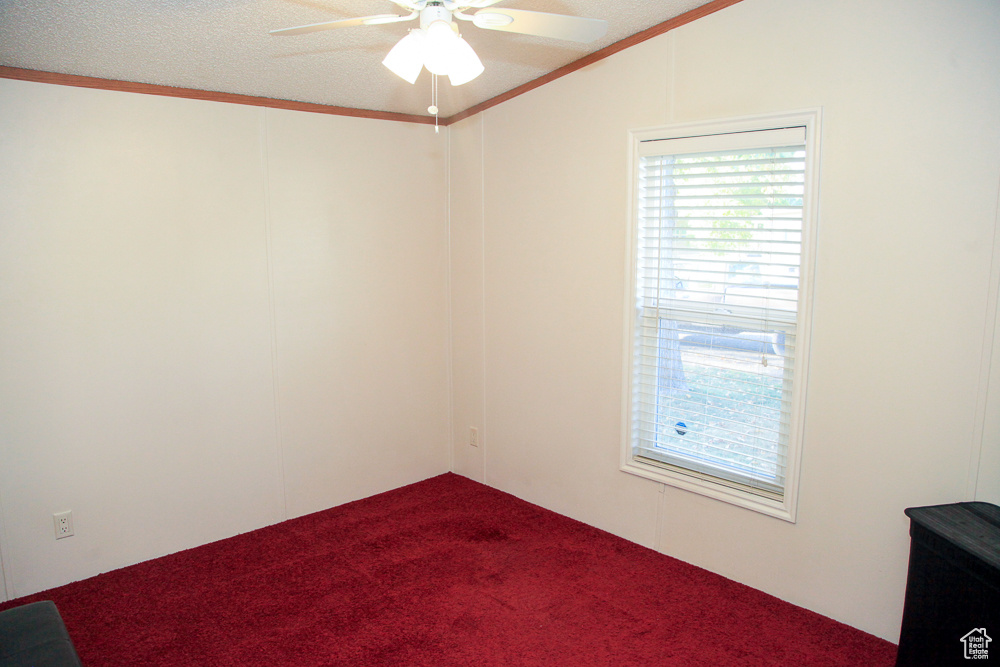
{"x": 443, "y": 572}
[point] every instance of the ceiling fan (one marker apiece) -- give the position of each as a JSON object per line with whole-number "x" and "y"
{"x": 437, "y": 43}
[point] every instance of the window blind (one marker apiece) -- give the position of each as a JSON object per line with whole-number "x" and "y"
{"x": 717, "y": 283}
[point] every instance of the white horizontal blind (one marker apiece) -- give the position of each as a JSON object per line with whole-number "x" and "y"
{"x": 718, "y": 270}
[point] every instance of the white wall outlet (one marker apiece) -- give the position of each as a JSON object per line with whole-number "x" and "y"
{"x": 64, "y": 524}
{"x": 473, "y": 436}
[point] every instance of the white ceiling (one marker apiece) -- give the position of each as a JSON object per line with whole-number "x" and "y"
{"x": 224, "y": 46}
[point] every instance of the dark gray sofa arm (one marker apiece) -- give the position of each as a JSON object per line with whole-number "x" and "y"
{"x": 34, "y": 635}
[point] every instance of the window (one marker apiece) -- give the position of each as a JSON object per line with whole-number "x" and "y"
{"x": 718, "y": 307}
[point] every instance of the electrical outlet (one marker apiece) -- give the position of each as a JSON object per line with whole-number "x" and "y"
{"x": 64, "y": 524}
{"x": 473, "y": 436}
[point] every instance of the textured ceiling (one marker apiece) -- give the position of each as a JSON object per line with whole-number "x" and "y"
{"x": 223, "y": 46}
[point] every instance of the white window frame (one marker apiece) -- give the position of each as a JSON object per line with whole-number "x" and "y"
{"x": 690, "y": 480}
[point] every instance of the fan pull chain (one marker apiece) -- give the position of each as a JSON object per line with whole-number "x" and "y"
{"x": 433, "y": 108}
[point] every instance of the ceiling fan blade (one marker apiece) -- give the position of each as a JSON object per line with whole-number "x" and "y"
{"x": 412, "y": 5}
{"x": 557, "y": 26}
{"x": 342, "y": 23}
{"x": 476, "y": 4}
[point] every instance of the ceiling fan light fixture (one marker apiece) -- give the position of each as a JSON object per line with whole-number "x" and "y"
{"x": 440, "y": 48}
{"x": 466, "y": 65}
{"x": 406, "y": 59}
{"x": 437, "y": 44}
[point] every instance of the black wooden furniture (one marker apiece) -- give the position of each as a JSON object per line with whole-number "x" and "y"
{"x": 951, "y": 614}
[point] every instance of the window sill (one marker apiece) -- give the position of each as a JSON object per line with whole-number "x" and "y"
{"x": 711, "y": 488}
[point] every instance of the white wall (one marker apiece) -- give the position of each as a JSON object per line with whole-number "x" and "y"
{"x": 358, "y": 220}
{"x": 466, "y": 289}
{"x": 214, "y": 317}
{"x": 910, "y": 93}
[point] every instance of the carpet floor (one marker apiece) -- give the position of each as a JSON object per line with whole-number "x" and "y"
{"x": 443, "y": 572}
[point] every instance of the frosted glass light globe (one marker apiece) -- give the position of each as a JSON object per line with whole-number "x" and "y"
{"x": 440, "y": 47}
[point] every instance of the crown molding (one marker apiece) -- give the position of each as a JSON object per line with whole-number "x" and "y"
{"x": 40, "y": 76}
